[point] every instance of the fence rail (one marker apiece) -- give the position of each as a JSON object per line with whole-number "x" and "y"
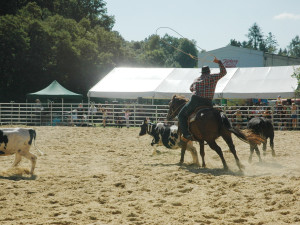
{"x": 57, "y": 114}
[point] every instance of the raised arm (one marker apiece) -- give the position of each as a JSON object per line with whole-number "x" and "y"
{"x": 223, "y": 71}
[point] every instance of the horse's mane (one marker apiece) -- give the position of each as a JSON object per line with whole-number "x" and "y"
{"x": 180, "y": 97}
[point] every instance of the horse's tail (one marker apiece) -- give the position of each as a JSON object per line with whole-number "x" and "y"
{"x": 246, "y": 135}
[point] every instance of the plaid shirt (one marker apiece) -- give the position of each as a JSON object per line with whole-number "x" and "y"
{"x": 205, "y": 85}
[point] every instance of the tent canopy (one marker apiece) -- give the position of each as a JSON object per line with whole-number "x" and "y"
{"x": 162, "y": 83}
{"x": 55, "y": 90}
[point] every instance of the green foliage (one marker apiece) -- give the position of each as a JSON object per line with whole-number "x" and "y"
{"x": 184, "y": 60}
{"x": 37, "y": 47}
{"x": 255, "y": 36}
{"x": 256, "y": 40}
{"x": 271, "y": 43}
{"x": 235, "y": 43}
{"x": 164, "y": 52}
{"x": 296, "y": 75}
{"x": 93, "y": 10}
{"x": 294, "y": 47}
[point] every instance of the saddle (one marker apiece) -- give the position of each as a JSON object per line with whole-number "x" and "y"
{"x": 201, "y": 110}
{"x": 193, "y": 116}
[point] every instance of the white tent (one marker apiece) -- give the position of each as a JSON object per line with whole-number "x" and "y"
{"x": 162, "y": 83}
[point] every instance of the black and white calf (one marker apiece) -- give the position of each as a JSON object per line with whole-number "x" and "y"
{"x": 18, "y": 141}
{"x": 265, "y": 129}
{"x": 167, "y": 136}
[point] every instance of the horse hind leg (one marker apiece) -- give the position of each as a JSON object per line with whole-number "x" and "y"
{"x": 228, "y": 139}
{"x": 183, "y": 148}
{"x": 202, "y": 153}
{"x": 213, "y": 145}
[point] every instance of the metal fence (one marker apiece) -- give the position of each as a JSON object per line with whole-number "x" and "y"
{"x": 84, "y": 114}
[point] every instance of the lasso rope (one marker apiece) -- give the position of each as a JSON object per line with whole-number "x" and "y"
{"x": 188, "y": 54}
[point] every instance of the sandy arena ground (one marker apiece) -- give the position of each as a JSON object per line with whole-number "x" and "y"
{"x": 109, "y": 176}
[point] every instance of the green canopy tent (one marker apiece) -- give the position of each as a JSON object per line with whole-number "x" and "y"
{"x": 54, "y": 91}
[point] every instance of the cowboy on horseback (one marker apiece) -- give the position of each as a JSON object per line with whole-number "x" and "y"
{"x": 203, "y": 90}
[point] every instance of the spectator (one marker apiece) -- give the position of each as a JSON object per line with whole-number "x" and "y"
{"x": 38, "y": 111}
{"x": 80, "y": 113}
{"x": 74, "y": 117}
{"x": 238, "y": 118}
{"x": 127, "y": 116}
{"x": 38, "y": 105}
{"x": 294, "y": 116}
{"x": 278, "y": 101}
{"x": 93, "y": 112}
{"x": 104, "y": 116}
{"x": 267, "y": 114}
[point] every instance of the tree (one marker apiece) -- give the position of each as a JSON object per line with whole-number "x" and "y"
{"x": 235, "y": 43}
{"x": 36, "y": 50}
{"x": 94, "y": 10}
{"x": 294, "y": 47}
{"x": 296, "y": 75}
{"x": 255, "y": 36}
{"x": 184, "y": 60}
{"x": 271, "y": 43}
{"x": 283, "y": 52}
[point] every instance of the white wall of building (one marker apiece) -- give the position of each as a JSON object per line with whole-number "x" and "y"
{"x": 278, "y": 60}
{"x": 233, "y": 57}
{"x": 242, "y": 57}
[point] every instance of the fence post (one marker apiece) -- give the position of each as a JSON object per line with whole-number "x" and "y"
{"x": 134, "y": 114}
{"x": 156, "y": 113}
{"x": 51, "y": 116}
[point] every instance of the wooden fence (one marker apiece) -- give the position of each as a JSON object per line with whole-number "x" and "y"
{"x": 83, "y": 114}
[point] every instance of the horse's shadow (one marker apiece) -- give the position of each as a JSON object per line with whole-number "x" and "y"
{"x": 199, "y": 170}
{"x": 18, "y": 177}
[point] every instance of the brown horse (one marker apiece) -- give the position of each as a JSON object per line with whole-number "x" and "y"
{"x": 210, "y": 124}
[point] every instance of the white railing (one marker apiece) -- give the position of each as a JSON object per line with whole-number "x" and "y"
{"x": 53, "y": 114}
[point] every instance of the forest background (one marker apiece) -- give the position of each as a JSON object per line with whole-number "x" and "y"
{"x": 73, "y": 42}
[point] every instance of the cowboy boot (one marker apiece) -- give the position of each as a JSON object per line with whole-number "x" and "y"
{"x": 183, "y": 124}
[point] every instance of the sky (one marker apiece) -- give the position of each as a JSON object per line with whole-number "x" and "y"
{"x": 211, "y": 23}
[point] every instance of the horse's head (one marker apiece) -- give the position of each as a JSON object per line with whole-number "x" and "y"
{"x": 175, "y": 105}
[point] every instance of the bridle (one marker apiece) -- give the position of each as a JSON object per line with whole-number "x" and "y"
{"x": 176, "y": 111}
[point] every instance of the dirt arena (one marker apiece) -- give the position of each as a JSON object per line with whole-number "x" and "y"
{"x": 109, "y": 176}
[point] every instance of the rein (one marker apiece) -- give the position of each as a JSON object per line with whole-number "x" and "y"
{"x": 174, "y": 113}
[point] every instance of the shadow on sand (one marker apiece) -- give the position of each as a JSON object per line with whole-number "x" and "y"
{"x": 16, "y": 173}
{"x": 198, "y": 170}
{"x": 18, "y": 177}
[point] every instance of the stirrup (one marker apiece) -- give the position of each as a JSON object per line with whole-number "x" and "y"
{"x": 187, "y": 139}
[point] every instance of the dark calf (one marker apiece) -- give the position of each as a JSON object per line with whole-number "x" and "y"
{"x": 167, "y": 136}
{"x": 265, "y": 129}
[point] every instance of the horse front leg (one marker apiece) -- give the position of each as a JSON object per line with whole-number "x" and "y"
{"x": 193, "y": 152}
{"x": 183, "y": 148}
